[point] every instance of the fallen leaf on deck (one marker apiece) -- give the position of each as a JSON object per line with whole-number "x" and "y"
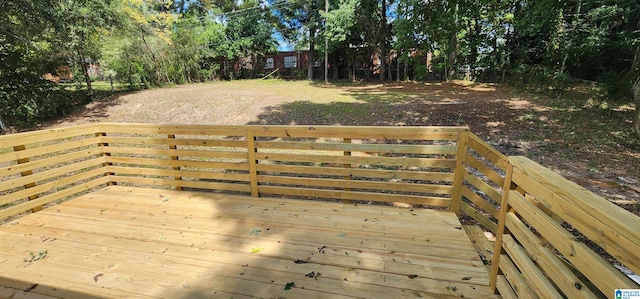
{"x": 341, "y": 234}
{"x": 256, "y": 249}
{"x": 255, "y": 231}
{"x": 31, "y": 287}
{"x": 289, "y": 285}
{"x": 95, "y": 278}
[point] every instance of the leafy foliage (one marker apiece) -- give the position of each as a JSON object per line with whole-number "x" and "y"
{"x": 545, "y": 45}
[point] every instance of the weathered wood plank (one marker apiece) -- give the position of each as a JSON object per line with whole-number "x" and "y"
{"x": 369, "y": 148}
{"x": 481, "y": 243}
{"x": 42, "y": 163}
{"x": 501, "y": 229}
{"x": 515, "y": 279}
{"x": 484, "y": 187}
{"x": 458, "y": 179}
{"x": 46, "y": 135}
{"x": 353, "y": 195}
{"x": 230, "y": 176}
{"x": 386, "y": 161}
{"x": 184, "y": 183}
{"x": 44, "y": 187}
{"x": 177, "y": 152}
{"x": 49, "y": 149}
{"x": 595, "y": 268}
{"x": 480, "y": 202}
{"x": 611, "y": 227}
{"x": 178, "y": 256}
{"x": 482, "y": 219}
{"x": 251, "y": 158}
{"x": 13, "y": 210}
{"x": 172, "y": 145}
{"x": 485, "y": 170}
{"x": 141, "y": 140}
{"x": 179, "y": 163}
{"x": 191, "y": 130}
{"x": 356, "y": 184}
{"x": 361, "y": 132}
{"x": 51, "y": 173}
{"x": 537, "y": 280}
{"x": 564, "y": 278}
{"x": 358, "y": 172}
{"x": 505, "y": 289}
{"x": 488, "y": 152}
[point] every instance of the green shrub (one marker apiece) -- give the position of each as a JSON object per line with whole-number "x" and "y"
{"x": 27, "y": 100}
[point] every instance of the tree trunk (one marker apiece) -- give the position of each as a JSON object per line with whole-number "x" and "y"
{"x": 406, "y": 68}
{"x": 311, "y": 57}
{"x": 398, "y": 66}
{"x": 453, "y": 44}
{"x": 634, "y": 78}
{"x": 85, "y": 71}
{"x": 453, "y": 56}
{"x": 3, "y": 128}
{"x": 636, "y": 96}
{"x": 334, "y": 67}
{"x": 383, "y": 39}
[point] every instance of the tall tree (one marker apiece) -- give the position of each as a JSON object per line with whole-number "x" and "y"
{"x": 300, "y": 22}
{"x": 634, "y": 74}
{"x": 82, "y": 23}
{"x": 26, "y": 53}
{"x": 382, "y": 39}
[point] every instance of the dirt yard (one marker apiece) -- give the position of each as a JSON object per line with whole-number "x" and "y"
{"x": 587, "y": 144}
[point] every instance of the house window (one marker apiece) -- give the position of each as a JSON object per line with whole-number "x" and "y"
{"x": 269, "y": 63}
{"x": 289, "y": 61}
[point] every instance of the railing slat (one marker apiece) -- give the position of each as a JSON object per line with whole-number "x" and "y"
{"x": 596, "y": 269}
{"x": 568, "y": 283}
{"x": 173, "y": 146}
{"x": 535, "y": 278}
{"x": 458, "y": 179}
{"x": 611, "y": 227}
{"x": 251, "y": 156}
{"x": 26, "y": 173}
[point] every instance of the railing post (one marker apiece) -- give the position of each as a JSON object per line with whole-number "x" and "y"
{"x": 459, "y": 171}
{"x": 502, "y": 218}
{"x": 347, "y": 154}
{"x": 175, "y": 158}
{"x": 18, "y": 148}
{"x": 105, "y": 153}
{"x": 251, "y": 156}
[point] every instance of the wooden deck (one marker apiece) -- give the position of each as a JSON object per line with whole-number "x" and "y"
{"x": 149, "y": 243}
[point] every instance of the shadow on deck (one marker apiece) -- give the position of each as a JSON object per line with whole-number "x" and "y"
{"x": 284, "y": 203}
{"x": 135, "y": 242}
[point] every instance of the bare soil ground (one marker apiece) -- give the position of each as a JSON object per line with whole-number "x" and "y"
{"x": 591, "y": 146}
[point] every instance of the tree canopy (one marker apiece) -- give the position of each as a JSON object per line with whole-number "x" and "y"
{"x": 545, "y": 44}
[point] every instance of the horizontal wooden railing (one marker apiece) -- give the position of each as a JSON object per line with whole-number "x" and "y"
{"x": 540, "y": 246}
{"x": 388, "y": 164}
{"x": 38, "y": 168}
{"x": 539, "y": 218}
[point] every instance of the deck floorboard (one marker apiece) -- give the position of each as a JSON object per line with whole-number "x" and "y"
{"x": 126, "y": 242}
